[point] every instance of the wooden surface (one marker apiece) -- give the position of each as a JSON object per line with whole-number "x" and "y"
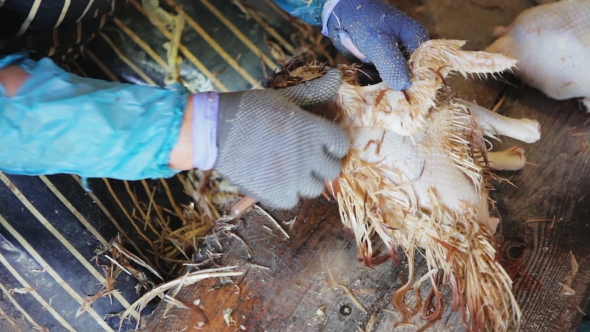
{"x": 290, "y": 284}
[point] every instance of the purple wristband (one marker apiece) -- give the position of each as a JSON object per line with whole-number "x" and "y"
{"x": 205, "y": 119}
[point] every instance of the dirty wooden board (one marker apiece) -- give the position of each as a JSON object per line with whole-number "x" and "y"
{"x": 295, "y": 291}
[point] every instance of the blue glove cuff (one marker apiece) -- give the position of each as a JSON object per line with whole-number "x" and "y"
{"x": 62, "y": 123}
{"x": 328, "y": 9}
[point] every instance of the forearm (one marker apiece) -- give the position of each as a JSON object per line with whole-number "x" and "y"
{"x": 11, "y": 79}
{"x": 181, "y": 156}
{"x": 92, "y": 128}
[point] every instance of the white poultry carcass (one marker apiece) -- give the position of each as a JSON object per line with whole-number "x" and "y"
{"x": 552, "y": 45}
{"x": 418, "y": 173}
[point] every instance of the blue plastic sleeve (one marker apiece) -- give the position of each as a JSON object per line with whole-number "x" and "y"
{"x": 62, "y": 123}
{"x": 309, "y": 12}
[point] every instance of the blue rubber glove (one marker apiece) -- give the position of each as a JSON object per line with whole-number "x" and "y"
{"x": 58, "y": 122}
{"x": 375, "y": 32}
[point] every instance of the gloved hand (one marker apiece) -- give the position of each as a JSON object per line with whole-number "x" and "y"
{"x": 58, "y": 122}
{"x": 275, "y": 151}
{"x": 375, "y": 32}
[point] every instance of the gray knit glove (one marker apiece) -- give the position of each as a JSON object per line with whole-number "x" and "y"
{"x": 275, "y": 151}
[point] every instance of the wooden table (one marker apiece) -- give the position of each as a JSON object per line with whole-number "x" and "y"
{"x": 292, "y": 284}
